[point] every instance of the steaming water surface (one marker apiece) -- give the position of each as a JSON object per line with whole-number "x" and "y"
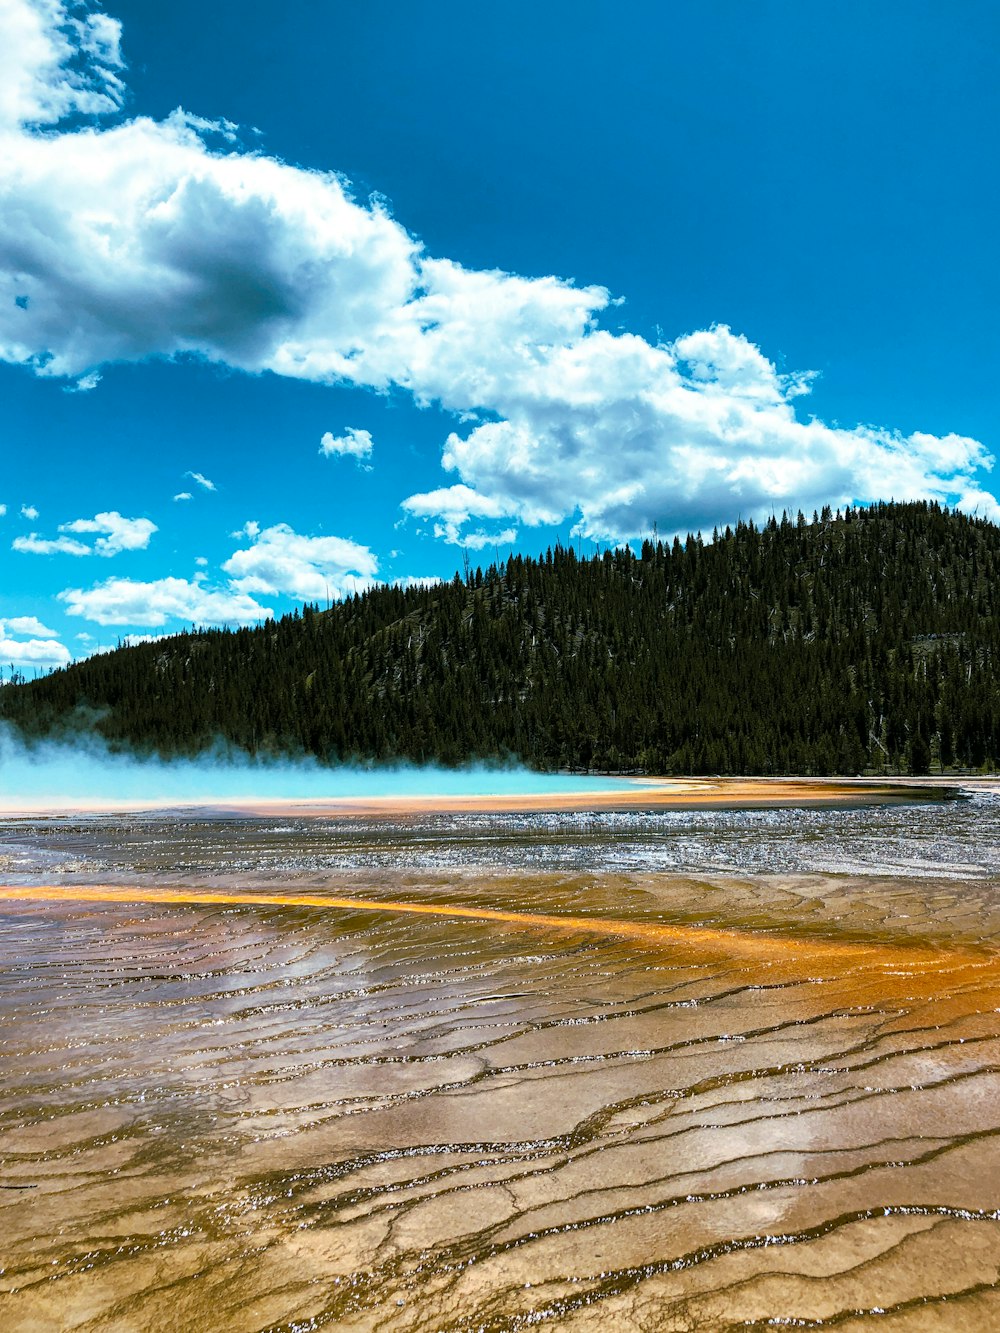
{"x": 631, "y": 1070}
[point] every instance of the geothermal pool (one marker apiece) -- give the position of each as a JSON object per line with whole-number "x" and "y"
{"x": 589, "y": 1069}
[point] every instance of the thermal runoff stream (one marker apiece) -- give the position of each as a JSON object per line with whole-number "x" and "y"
{"x": 639, "y": 1068}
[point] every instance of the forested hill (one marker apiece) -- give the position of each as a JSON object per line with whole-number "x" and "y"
{"x": 863, "y": 641}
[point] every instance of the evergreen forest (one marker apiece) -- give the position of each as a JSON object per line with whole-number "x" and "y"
{"x": 866, "y": 641}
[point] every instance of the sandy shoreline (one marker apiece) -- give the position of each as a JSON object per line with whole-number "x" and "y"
{"x": 641, "y": 794}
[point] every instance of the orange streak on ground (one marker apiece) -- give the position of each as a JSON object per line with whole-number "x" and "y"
{"x": 734, "y": 944}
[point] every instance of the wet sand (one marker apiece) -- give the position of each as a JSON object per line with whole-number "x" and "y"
{"x": 400, "y": 1097}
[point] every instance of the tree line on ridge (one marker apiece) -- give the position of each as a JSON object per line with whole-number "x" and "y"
{"x": 862, "y": 641}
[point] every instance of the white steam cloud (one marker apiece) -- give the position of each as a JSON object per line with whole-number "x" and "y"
{"x": 85, "y": 772}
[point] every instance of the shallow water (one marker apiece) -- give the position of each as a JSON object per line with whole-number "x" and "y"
{"x": 665, "y": 1070}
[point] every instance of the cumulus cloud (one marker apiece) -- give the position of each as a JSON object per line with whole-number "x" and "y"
{"x": 452, "y": 506}
{"x": 29, "y": 512}
{"x": 130, "y": 640}
{"x": 32, "y": 544}
{"x": 3, "y": 510}
{"x": 202, "y": 481}
{"x": 281, "y": 561}
{"x": 457, "y": 503}
{"x": 33, "y": 652}
{"x": 974, "y": 500}
{"x": 27, "y": 625}
{"x": 278, "y": 562}
{"x": 57, "y": 59}
{"x": 163, "y": 238}
{"x": 183, "y": 495}
{"x": 85, "y": 383}
{"x": 40, "y": 648}
{"x": 622, "y": 434}
{"x": 130, "y": 602}
{"x": 352, "y": 444}
{"x": 141, "y": 240}
{"x": 417, "y": 581}
{"x": 478, "y": 539}
{"x": 117, "y": 534}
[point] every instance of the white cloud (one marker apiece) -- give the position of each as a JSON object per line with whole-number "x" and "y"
{"x": 26, "y": 625}
{"x": 85, "y": 383}
{"x": 119, "y": 533}
{"x": 29, "y": 512}
{"x": 417, "y": 581}
{"x": 128, "y": 602}
{"x": 33, "y": 652}
{"x": 477, "y": 540}
{"x": 202, "y": 481}
{"x": 183, "y": 495}
{"x": 41, "y": 80}
{"x": 40, "y": 648}
{"x": 622, "y": 434}
{"x": 281, "y": 561}
{"x": 455, "y": 505}
{"x": 159, "y": 239}
{"x": 3, "y": 511}
{"x": 130, "y": 640}
{"x": 35, "y": 545}
{"x": 979, "y": 502}
{"x": 352, "y": 444}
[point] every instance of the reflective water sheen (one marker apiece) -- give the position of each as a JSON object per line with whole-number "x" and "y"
{"x": 652, "y": 1071}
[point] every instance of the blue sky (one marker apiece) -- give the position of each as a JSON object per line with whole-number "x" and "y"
{"x": 529, "y": 271}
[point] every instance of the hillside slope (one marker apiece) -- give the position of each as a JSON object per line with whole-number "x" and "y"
{"x": 868, "y": 641}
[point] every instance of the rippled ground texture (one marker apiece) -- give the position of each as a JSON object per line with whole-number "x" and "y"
{"x": 720, "y": 1070}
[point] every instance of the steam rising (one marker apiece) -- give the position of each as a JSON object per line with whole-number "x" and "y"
{"x": 85, "y": 770}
